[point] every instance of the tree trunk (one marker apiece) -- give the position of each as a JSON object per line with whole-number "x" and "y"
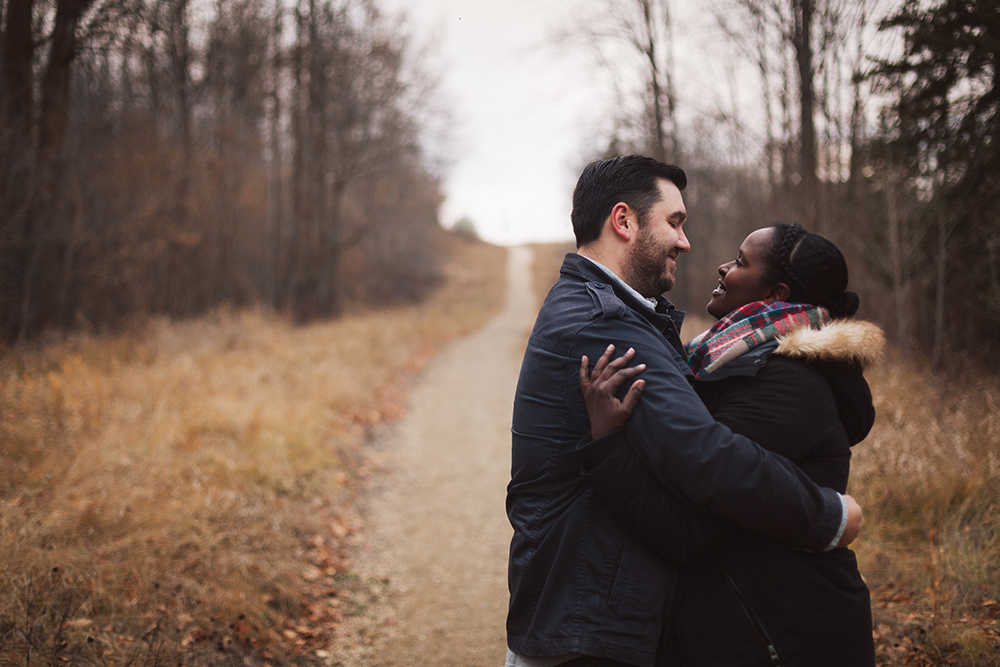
{"x": 16, "y": 158}
{"x": 941, "y": 266}
{"x": 55, "y": 85}
{"x": 825, "y": 154}
{"x": 324, "y": 217}
{"x": 787, "y": 168}
{"x": 180, "y": 61}
{"x": 803, "y": 11}
{"x": 296, "y": 246}
{"x": 764, "y": 67}
{"x": 668, "y": 79}
{"x": 51, "y": 137}
{"x": 900, "y": 288}
{"x": 854, "y": 178}
{"x": 180, "y": 68}
{"x": 659, "y": 149}
{"x": 18, "y": 50}
{"x": 273, "y": 249}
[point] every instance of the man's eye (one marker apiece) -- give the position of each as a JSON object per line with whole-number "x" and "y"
{"x": 738, "y": 262}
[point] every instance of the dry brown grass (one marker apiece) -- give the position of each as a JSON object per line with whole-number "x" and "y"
{"x": 169, "y": 495}
{"x": 548, "y": 259}
{"x": 929, "y": 479}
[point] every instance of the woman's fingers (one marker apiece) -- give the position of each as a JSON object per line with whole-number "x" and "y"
{"x": 603, "y": 361}
{"x": 613, "y": 366}
{"x": 612, "y": 382}
{"x": 606, "y": 367}
{"x": 586, "y": 375}
{"x": 608, "y": 375}
{"x": 601, "y": 385}
{"x": 632, "y": 397}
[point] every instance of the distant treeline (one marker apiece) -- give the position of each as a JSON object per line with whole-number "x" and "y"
{"x": 874, "y": 122}
{"x": 167, "y": 156}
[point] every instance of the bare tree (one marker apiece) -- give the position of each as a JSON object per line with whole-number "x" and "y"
{"x": 275, "y": 198}
{"x": 802, "y": 40}
{"x": 16, "y": 158}
{"x": 633, "y": 40}
{"x": 806, "y": 42}
{"x": 162, "y": 153}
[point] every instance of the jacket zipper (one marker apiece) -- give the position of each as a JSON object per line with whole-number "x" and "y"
{"x": 758, "y": 627}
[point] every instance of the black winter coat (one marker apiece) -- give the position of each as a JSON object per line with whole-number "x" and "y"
{"x": 746, "y": 600}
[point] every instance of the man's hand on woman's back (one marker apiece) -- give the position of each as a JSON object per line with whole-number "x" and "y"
{"x": 855, "y": 520}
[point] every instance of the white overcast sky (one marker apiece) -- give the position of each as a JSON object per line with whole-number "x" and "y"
{"x": 525, "y": 110}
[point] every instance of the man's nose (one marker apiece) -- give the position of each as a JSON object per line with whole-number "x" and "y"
{"x": 683, "y": 244}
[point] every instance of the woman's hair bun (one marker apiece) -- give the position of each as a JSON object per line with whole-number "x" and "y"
{"x": 845, "y": 305}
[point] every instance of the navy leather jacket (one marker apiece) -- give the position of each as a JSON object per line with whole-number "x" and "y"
{"x": 579, "y": 583}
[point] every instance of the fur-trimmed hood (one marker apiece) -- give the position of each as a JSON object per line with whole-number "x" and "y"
{"x": 840, "y": 341}
{"x": 840, "y": 350}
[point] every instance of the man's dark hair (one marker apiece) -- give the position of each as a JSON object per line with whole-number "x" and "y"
{"x": 632, "y": 179}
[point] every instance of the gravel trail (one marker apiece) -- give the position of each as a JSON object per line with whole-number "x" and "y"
{"x": 433, "y": 552}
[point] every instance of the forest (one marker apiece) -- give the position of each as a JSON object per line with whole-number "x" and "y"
{"x": 222, "y": 269}
{"x": 872, "y": 122}
{"x": 163, "y": 158}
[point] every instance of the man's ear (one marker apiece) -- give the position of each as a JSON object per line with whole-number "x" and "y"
{"x": 623, "y": 221}
{"x": 779, "y": 292}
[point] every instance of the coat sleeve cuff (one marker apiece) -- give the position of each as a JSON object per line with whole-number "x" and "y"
{"x": 843, "y": 524}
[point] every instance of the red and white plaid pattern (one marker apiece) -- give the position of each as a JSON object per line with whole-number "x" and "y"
{"x": 748, "y": 327}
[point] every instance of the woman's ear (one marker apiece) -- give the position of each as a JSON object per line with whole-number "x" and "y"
{"x": 779, "y": 292}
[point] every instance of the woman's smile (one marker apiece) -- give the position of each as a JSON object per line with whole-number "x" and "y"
{"x": 741, "y": 280}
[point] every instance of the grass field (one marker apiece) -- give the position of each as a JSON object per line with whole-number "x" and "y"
{"x": 928, "y": 478}
{"x": 182, "y": 494}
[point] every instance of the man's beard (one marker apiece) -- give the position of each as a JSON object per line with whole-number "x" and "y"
{"x": 646, "y": 266}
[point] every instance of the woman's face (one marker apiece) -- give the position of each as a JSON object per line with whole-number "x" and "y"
{"x": 741, "y": 281}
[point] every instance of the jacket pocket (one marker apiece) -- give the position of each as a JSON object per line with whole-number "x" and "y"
{"x": 623, "y": 576}
{"x": 755, "y": 622}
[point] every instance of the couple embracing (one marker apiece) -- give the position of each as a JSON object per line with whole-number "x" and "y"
{"x": 696, "y": 516}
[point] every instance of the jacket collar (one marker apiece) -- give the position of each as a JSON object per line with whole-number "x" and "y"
{"x": 838, "y": 342}
{"x": 747, "y": 364}
{"x": 650, "y": 302}
{"x": 664, "y": 315}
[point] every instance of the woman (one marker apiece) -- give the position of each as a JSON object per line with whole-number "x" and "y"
{"x": 783, "y": 366}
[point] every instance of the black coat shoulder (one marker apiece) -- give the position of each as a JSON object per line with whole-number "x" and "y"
{"x": 789, "y": 408}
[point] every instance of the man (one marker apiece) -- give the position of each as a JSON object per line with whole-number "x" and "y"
{"x": 583, "y": 593}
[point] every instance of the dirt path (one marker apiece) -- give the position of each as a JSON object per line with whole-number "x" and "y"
{"x": 434, "y": 548}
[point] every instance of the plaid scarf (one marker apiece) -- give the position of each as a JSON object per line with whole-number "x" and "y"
{"x": 746, "y": 328}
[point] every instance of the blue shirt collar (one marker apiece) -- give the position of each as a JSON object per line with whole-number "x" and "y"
{"x": 650, "y": 302}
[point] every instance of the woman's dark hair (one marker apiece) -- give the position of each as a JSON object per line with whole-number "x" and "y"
{"x": 628, "y": 178}
{"x": 813, "y": 268}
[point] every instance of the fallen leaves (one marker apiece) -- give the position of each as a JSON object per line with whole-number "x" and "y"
{"x": 908, "y": 633}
